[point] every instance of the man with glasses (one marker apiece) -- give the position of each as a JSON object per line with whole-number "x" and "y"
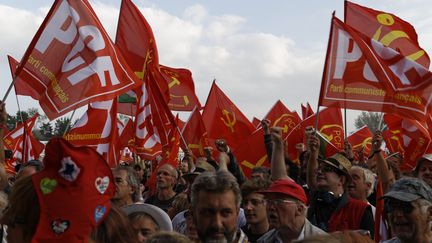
{"x": 286, "y": 201}
{"x": 408, "y": 205}
{"x": 254, "y": 206}
{"x": 331, "y": 207}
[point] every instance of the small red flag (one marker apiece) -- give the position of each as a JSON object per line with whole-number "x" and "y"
{"x": 280, "y": 116}
{"x": 195, "y": 134}
{"x": 362, "y": 138}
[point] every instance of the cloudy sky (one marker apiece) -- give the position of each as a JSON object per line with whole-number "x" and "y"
{"x": 258, "y": 51}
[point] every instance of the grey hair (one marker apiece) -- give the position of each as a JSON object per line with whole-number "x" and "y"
{"x": 132, "y": 181}
{"x": 219, "y": 181}
{"x": 369, "y": 177}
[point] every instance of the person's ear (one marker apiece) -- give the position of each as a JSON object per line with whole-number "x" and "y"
{"x": 300, "y": 209}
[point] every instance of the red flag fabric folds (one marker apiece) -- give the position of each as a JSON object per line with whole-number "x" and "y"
{"x": 361, "y": 139}
{"x": 363, "y": 74}
{"x": 195, "y": 134}
{"x": 224, "y": 120}
{"x": 74, "y": 60}
{"x": 388, "y": 29}
{"x": 280, "y": 116}
{"x": 306, "y": 111}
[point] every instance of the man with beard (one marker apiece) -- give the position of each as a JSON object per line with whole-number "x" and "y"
{"x": 165, "y": 194}
{"x": 215, "y": 203}
{"x": 286, "y": 201}
{"x": 331, "y": 207}
{"x": 408, "y": 205}
{"x": 423, "y": 169}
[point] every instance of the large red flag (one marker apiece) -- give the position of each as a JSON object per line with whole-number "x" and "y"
{"x": 388, "y": 29}
{"x": 280, "y": 116}
{"x": 74, "y": 60}
{"x": 363, "y": 74}
{"x": 195, "y": 134}
{"x": 415, "y": 138}
{"x": 361, "y": 139}
{"x": 224, "y": 120}
{"x": 252, "y": 153}
{"x": 25, "y": 147}
{"x": 98, "y": 128}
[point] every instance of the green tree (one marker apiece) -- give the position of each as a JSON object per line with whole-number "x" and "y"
{"x": 46, "y": 131}
{"x": 373, "y": 120}
{"x": 60, "y": 126}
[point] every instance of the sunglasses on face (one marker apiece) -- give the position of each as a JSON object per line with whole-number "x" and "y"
{"x": 392, "y": 205}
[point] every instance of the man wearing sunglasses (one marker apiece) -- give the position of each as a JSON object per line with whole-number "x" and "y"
{"x": 408, "y": 205}
{"x": 332, "y": 209}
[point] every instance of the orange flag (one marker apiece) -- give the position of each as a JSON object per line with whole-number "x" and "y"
{"x": 195, "y": 134}
{"x": 388, "y": 29}
{"x": 252, "y": 153}
{"x": 74, "y": 61}
{"x": 416, "y": 138}
{"x": 224, "y": 120}
{"x": 362, "y": 138}
{"x": 280, "y": 116}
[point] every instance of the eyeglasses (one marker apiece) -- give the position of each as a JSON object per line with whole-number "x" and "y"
{"x": 254, "y": 202}
{"x": 279, "y": 202}
{"x": 391, "y": 205}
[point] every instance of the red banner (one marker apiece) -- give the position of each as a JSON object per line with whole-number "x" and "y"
{"x": 280, "y": 116}
{"x": 363, "y": 74}
{"x": 224, "y": 120}
{"x": 249, "y": 158}
{"x": 306, "y": 111}
{"x": 388, "y": 29}
{"x": 195, "y": 134}
{"x": 361, "y": 139}
{"x": 74, "y": 60}
{"x": 23, "y": 87}
{"x": 415, "y": 138}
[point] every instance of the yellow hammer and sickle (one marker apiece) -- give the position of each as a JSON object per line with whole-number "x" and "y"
{"x": 364, "y": 143}
{"x": 185, "y": 99}
{"x": 147, "y": 60}
{"x": 174, "y": 81}
{"x": 229, "y": 122}
{"x": 386, "y": 40}
{"x": 287, "y": 119}
{"x": 329, "y": 137}
{"x": 249, "y": 165}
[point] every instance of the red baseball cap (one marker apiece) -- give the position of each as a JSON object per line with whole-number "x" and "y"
{"x": 74, "y": 192}
{"x": 287, "y": 187}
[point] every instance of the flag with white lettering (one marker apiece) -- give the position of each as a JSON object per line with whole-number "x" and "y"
{"x": 74, "y": 61}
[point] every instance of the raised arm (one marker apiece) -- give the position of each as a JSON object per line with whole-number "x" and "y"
{"x": 312, "y": 165}
{"x": 278, "y": 167}
{"x": 384, "y": 173}
{"x": 265, "y": 124}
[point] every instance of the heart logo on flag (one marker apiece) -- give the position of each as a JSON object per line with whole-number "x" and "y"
{"x": 59, "y": 226}
{"x": 102, "y": 184}
{"x": 47, "y": 185}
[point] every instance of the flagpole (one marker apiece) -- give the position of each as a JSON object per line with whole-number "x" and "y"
{"x": 182, "y": 138}
{"x": 69, "y": 122}
{"x": 345, "y": 120}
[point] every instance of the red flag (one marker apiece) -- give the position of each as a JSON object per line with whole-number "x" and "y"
{"x": 415, "y": 138}
{"x": 74, "y": 60}
{"x": 171, "y": 150}
{"x": 98, "y": 128}
{"x": 330, "y": 126}
{"x": 21, "y": 86}
{"x": 25, "y": 147}
{"x": 126, "y": 133}
{"x": 388, "y": 29}
{"x": 306, "y": 111}
{"x": 362, "y": 138}
{"x": 363, "y": 74}
{"x": 195, "y": 134}
{"x": 252, "y": 153}
{"x": 181, "y": 88}
{"x": 280, "y": 116}
{"x": 224, "y": 120}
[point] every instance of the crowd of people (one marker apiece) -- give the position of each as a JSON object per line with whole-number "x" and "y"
{"x": 72, "y": 195}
